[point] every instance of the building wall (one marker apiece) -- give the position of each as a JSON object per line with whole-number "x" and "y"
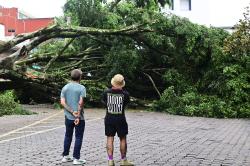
{"x": 224, "y": 13}
{"x": 2, "y": 31}
{"x": 217, "y": 13}
{"x": 31, "y": 25}
{"x": 14, "y": 26}
{"x": 199, "y": 13}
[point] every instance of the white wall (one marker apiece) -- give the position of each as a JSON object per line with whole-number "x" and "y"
{"x": 199, "y": 11}
{"x": 2, "y": 32}
{"x": 227, "y": 12}
{"x": 218, "y": 13}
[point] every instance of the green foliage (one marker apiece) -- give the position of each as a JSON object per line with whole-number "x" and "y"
{"x": 193, "y": 104}
{"x": 173, "y": 78}
{"x": 57, "y": 105}
{"x": 89, "y": 13}
{"x": 235, "y": 68}
{"x": 58, "y": 76}
{"x": 94, "y": 91}
{"x": 215, "y": 80}
{"x": 236, "y": 64}
{"x": 118, "y": 59}
{"x": 152, "y": 4}
{"x": 49, "y": 47}
{"x": 9, "y": 105}
{"x": 200, "y": 71}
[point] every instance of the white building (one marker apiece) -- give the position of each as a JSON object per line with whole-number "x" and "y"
{"x": 217, "y": 13}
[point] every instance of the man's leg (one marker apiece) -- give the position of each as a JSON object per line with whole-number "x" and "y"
{"x": 69, "y": 124}
{"x": 79, "y": 130}
{"x": 123, "y": 147}
{"x": 122, "y": 131}
{"x": 110, "y": 147}
{"x": 110, "y": 132}
{"x": 122, "y": 134}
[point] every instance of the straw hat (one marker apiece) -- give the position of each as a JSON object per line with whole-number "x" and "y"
{"x": 118, "y": 81}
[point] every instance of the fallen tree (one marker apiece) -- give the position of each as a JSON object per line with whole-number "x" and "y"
{"x": 7, "y": 60}
{"x": 185, "y": 65}
{"x": 14, "y": 61}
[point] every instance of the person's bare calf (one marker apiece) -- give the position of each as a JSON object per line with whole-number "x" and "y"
{"x": 123, "y": 147}
{"x": 110, "y": 150}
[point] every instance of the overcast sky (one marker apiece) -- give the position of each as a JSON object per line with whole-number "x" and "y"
{"x": 228, "y": 11}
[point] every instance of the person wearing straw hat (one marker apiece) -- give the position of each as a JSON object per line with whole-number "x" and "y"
{"x": 115, "y": 100}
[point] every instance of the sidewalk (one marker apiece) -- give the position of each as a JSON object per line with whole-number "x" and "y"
{"x": 154, "y": 139}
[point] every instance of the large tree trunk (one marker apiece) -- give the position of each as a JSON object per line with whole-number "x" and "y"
{"x": 14, "y": 60}
{"x": 7, "y": 60}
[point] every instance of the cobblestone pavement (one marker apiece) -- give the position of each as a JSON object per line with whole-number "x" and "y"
{"x": 155, "y": 139}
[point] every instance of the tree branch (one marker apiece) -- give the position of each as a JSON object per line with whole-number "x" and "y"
{"x": 153, "y": 83}
{"x": 66, "y": 57}
{"x": 113, "y": 5}
{"x": 56, "y": 32}
{"x": 58, "y": 54}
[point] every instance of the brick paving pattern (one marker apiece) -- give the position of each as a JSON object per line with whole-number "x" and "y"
{"x": 154, "y": 139}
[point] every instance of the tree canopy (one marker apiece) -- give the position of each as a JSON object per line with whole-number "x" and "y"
{"x": 185, "y": 68}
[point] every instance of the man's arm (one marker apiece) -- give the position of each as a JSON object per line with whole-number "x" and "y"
{"x": 81, "y": 101}
{"x": 80, "y": 108}
{"x": 64, "y": 104}
{"x": 104, "y": 98}
{"x": 78, "y": 113}
{"x": 127, "y": 98}
{"x": 80, "y": 105}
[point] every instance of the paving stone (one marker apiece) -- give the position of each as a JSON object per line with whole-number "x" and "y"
{"x": 154, "y": 139}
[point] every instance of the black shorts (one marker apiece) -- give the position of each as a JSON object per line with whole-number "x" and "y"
{"x": 115, "y": 125}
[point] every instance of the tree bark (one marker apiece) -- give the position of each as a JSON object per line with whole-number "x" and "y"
{"x": 13, "y": 62}
{"x": 56, "y": 31}
{"x": 153, "y": 83}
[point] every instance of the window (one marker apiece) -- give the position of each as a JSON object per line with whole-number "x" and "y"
{"x": 185, "y": 5}
{"x": 11, "y": 30}
{"x": 169, "y": 6}
{"x": 172, "y": 5}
